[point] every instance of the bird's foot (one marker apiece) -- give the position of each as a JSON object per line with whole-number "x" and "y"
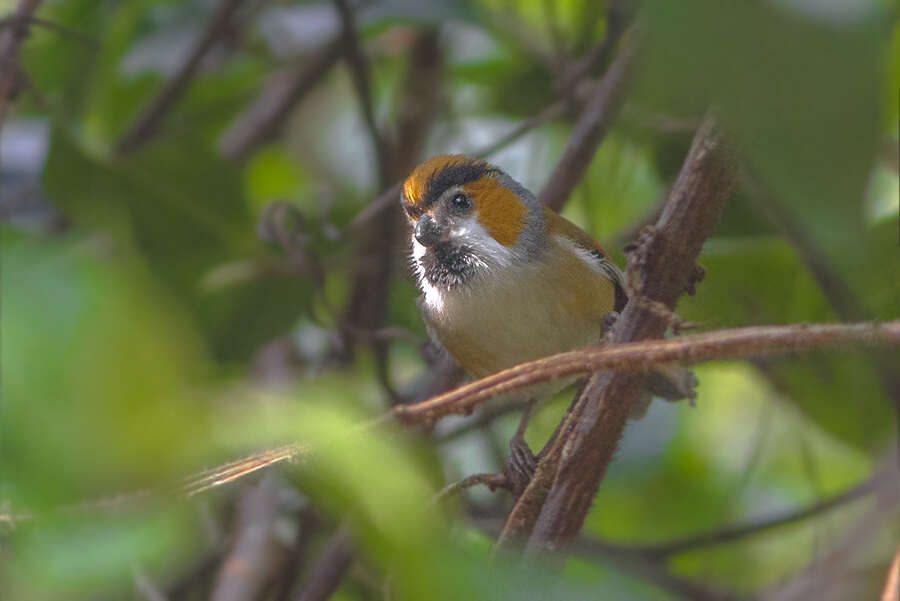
{"x": 520, "y": 465}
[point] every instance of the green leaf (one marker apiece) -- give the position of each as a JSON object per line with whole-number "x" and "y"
{"x": 183, "y": 209}
{"x": 762, "y": 281}
{"x": 800, "y": 98}
{"x": 99, "y": 364}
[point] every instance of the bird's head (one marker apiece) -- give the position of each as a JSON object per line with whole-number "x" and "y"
{"x": 469, "y": 219}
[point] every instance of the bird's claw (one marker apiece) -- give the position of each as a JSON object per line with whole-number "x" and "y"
{"x": 520, "y": 465}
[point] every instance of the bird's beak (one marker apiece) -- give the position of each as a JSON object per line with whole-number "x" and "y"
{"x": 427, "y": 232}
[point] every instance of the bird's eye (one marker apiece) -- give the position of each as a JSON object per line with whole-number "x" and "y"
{"x": 461, "y": 202}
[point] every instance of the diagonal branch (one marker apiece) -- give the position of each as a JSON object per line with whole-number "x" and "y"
{"x": 265, "y": 117}
{"x": 328, "y": 572}
{"x": 589, "y": 130}
{"x": 740, "y": 531}
{"x": 148, "y": 120}
{"x": 11, "y": 40}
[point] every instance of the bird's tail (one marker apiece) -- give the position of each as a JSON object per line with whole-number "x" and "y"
{"x": 669, "y": 381}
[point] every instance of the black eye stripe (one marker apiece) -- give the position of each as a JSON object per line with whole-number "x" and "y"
{"x": 454, "y": 174}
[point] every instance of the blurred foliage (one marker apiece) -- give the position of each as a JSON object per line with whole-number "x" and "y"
{"x": 149, "y": 332}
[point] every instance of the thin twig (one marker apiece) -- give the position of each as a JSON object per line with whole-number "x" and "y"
{"x": 386, "y": 199}
{"x": 148, "y": 120}
{"x": 617, "y": 19}
{"x": 553, "y": 112}
{"x": 589, "y": 130}
{"x": 824, "y": 573}
{"x": 492, "y": 481}
{"x": 633, "y": 357}
{"x": 655, "y": 572}
{"x": 266, "y": 116}
{"x": 642, "y": 566}
{"x": 891, "y": 591}
{"x": 11, "y": 40}
{"x": 846, "y": 304}
{"x": 627, "y": 357}
{"x": 359, "y": 69}
{"x": 68, "y": 32}
{"x": 741, "y": 531}
{"x": 328, "y": 572}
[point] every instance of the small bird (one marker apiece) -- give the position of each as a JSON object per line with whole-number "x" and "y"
{"x": 505, "y": 279}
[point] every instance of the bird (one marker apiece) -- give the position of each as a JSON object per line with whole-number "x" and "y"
{"x": 505, "y": 279}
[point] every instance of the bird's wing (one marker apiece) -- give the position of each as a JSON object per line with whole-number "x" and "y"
{"x": 559, "y": 225}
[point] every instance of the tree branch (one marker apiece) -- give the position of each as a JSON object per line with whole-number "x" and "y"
{"x": 377, "y": 251}
{"x": 265, "y": 117}
{"x": 589, "y": 130}
{"x": 740, "y": 531}
{"x": 661, "y": 267}
{"x": 492, "y": 481}
{"x": 834, "y": 286}
{"x": 67, "y": 32}
{"x": 891, "y": 591}
{"x": 636, "y": 357}
{"x": 360, "y": 74}
{"x": 251, "y": 563}
{"x": 328, "y": 572}
{"x": 11, "y": 39}
{"x": 554, "y": 111}
{"x": 145, "y": 126}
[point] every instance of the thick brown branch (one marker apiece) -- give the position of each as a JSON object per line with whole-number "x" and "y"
{"x": 265, "y": 117}
{"x": 11, "y": 40}
{"x": 148, "y": 120}
{"x": 640, "y": 356}
{"x": 589, "y": 131}
{"x": 661, "y": 268}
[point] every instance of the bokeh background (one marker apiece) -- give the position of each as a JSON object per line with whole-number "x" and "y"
{"x": 196, "y": 266}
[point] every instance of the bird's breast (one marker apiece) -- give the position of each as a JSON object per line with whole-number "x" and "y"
{"x": 552, "y": 304}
